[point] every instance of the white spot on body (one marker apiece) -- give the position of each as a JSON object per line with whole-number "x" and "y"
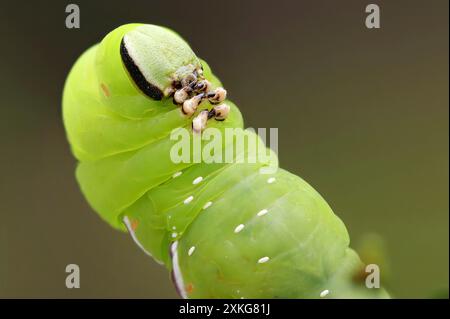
{"x": 262, "y": 212}
{"x": 174, "y": 235}
{"x": 197, "y": 180}
{"x": 324, "y": 293}
{"x": 239, "y": 228}
{"x": 191, "y": 250}
{"x": 188, "y": 200}
{"x": 271, "y": 180}
{"x": 177, "y": 174}
{"x": 207, "y": 205}
{"x": 263, "y": 260}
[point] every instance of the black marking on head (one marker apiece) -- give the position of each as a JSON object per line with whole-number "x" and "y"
{"x": 137, "y": 76}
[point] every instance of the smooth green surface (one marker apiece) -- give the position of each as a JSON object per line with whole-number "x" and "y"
{"x": 125, "y": 169}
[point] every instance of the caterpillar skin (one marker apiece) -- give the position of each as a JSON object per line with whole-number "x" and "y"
{"x": 224, "y": 230}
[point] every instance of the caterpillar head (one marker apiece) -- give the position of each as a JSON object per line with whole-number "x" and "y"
{"x": 162, "y": 64}
{"x": 154, "y": 68}
{"x": 159, "y": 61}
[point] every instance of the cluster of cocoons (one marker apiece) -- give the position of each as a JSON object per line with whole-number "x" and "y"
{"x": 194, "y": 89}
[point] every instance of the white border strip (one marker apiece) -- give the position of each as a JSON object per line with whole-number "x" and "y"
{"x": 127, "y": 223}
{"x": 176, "y": 272}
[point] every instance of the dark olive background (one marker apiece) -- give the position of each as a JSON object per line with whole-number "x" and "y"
{"x": 362, "y": 116}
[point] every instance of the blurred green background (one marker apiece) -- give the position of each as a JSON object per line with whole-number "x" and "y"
{"x": 362, "y": 116}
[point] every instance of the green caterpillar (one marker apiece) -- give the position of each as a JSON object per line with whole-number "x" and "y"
{"x": 224, "y": 230}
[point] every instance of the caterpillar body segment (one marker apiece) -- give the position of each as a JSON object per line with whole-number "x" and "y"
{"x": 223, "y": 229}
